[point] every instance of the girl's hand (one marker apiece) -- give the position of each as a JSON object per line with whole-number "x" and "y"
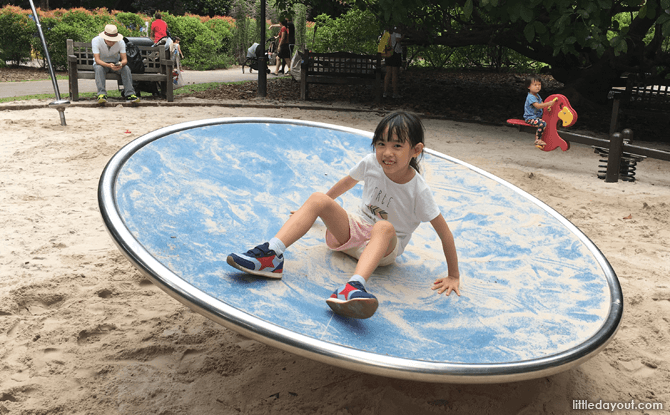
{"x": 447, "y": 284}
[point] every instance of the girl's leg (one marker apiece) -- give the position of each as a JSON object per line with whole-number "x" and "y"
{"x": 318, "y": 205}
{"x": 382, "y": 242}
{"x": 268, "y": 260}
{"x": 394, "y": 81}
{"x": 352, "y": 299}
{"x": 387, "y": 79}
{"x": 541, "y": 125}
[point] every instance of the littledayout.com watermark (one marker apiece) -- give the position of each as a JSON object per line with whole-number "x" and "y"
{"x": 579, "y": 404}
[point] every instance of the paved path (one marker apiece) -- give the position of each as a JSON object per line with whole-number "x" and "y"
{"x": 17, "y": 89}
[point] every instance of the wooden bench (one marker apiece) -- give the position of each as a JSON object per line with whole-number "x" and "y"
{"x": 639, "y": 95}
{"x": 157, "y": 67}
{"x": 340, "y": 68}
{"x": 636, "y": 95}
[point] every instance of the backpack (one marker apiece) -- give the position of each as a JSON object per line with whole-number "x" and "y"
{"x": 384, "y": 48}
{"x": 135, "y": 62}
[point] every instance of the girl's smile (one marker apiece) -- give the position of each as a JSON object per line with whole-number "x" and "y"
{"x": 394, "y": 157}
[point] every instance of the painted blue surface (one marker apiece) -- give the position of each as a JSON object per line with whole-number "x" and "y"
{"x": 530, "y": 287}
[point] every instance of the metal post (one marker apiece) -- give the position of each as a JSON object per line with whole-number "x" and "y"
{"x": 59, "y": 104}
{"x": 614, "y": 158}
{"x": 262, "y": 65}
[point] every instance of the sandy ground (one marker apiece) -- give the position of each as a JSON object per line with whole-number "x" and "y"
{"x": 83, "y": 332}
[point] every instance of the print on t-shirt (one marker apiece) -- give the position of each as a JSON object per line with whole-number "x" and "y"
{"x": 381, "y": 197}
{"x": 378, "y": 212}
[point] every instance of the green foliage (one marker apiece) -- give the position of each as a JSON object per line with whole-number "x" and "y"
{"x": 300, "y": 23}
{"x": 56, "y": 34}
{"x": 223, "y": 31}
{"x": 203, "y": 45}
{"x": 243, "y": 33}
{"x": 16, "y": 31}
{"x": 357, "y": 32}
{"x": 131, "y": 21}
{"x": 563, "y": 33}
{"x": 209, "y": 8}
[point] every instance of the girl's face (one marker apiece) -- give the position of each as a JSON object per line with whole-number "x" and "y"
{"x": 535, "y": 87}
{"x": 394, "y": 157}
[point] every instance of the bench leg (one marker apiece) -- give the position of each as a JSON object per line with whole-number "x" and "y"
{"x": 73, "y": 82}
{"x": 169, "y": 91}
{"x": 303, "y": 86}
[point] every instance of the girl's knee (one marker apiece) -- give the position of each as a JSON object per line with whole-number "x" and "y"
{"x": 383, "y": 227}
{"x": 319, "y": 200}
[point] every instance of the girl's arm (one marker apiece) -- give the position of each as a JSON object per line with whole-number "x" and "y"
{"x": 544, "y": 104}
{"x": 344, "y": 185}
{"x": 452, "y": 281}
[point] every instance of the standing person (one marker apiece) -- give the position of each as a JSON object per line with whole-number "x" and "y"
{"x": 396, "y": 199}
{"x": 393, "y": 64}
{"x": 283, "y": 54}
{"x": 109, "y": 55}
{"x": 291, "y": 36}
{"x": 158, "y": 29}
{"x": 532, "y": 110}
{"x": 175, "y": 52}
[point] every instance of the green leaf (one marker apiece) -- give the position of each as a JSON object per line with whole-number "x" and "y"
{"x": 666, "y": 29}
{"x": 539, "y": 28}
{"x": 526, "y": 13}
{"x": 665, "y": 4}
{"x": 605, "y": 4}
{"x": 467, "y": 9}
{"x": 663, "y": 18}
{"x": 529, "y": 32}
{"x": 513, "y": 11}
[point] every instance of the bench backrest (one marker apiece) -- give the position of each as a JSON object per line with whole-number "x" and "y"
{"x": 647, "y": 94}
{"x": 342, "y": 64}
{"x": 151, "y": 55}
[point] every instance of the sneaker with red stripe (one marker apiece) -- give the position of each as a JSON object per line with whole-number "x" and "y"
{"x": 352, "y": 300}
{"x": 259, "y": 261}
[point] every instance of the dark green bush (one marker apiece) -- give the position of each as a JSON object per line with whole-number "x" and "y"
{"x": 16, "y": 31}
{"x": 132, "y": 22}
{"x": 56, "y": 34}
{"x": 222, "y": 30}
{"x": 203, "y": 47}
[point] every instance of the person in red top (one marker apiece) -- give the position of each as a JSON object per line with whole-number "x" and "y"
{"x": 158, "y": 28}
{"x": 284, "y": 54}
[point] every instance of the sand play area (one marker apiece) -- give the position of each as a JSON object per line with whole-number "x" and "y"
{"x": 83, "y": 332}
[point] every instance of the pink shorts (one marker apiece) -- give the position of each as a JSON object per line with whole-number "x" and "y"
{"x": 359, "y": 236}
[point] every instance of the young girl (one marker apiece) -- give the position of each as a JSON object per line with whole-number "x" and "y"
{"x": 532, "y": 111}
{"x": 396, "y": 199}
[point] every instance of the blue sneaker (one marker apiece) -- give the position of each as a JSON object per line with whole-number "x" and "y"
{"x": 351, "y": 300}
{"x": 259, "y": 261}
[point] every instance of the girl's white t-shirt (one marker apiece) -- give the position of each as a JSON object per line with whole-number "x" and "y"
{"x": 404, "y": 205}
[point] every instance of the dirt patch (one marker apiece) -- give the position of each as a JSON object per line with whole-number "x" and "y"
{"x": 477, "y": 96}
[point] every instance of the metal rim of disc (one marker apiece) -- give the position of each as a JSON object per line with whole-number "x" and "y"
{"x": 337, "y": 355}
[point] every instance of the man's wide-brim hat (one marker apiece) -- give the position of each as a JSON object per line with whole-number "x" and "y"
{"x": 111, "y": 33}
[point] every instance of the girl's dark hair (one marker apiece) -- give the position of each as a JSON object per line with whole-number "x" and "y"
{"x": 532, "y": 78}
{"x": 406, "y": 126}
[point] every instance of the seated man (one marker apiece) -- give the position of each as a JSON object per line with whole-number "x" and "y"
{"x": 110, "y": 56}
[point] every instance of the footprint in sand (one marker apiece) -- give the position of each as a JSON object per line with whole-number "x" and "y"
{"x": 95, "y": 334}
